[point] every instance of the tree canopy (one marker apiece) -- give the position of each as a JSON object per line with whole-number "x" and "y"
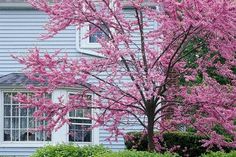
{"x": 171, "y": 69}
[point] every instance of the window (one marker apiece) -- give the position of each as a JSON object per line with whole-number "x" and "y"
{"x": 90, "y": 45}
{"x": 80, "y": 123}
{"x": 98, "y": 34}
{"x": 19, "y": 122}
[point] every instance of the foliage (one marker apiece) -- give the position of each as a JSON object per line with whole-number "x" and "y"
{"x": 220, "y": 154}
{"x": 194, "y": 41}
{"x": 64, "y": 150}
{"x": 127, "y": 153}
{"x": 182, "y": 143}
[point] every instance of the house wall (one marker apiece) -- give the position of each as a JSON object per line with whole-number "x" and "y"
{"x": 20, "y": 30}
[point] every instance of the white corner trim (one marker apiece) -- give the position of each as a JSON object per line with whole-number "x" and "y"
{"x": 96, "y": 131}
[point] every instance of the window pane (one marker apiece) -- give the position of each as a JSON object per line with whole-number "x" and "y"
{"x": 15, "y": 110}
{"x": 7, "y": 98}
{"x": 15, "y": 135}
{"x": 15, "y": 123}
{"x": 39, "y": 136}
{"x": 23, "y": 122}
{"x": 23, "y": 135}
{"x": 48, "y": 137}
{"x": 49, "y": 96}
{"x": 23, "y": 112}
{"x": 93, "y": 38}
{"x": 7, "y": 122}
{"x": 13, "y": 100}
{"x": 74, "y": 133}
{"x": 31, "y": 123}
{"x": 72, "y": 114}
{"x": 79, "y": 133}
{"x": 87, "y": 136}
{"x": 87, "y": 113}
{"x": 31, "y": 111}
{"x": 79, "y": 113}
{"x": 7, "y": 135}
{"x": 31, "y": 136}
{"x": 7, "y": 110}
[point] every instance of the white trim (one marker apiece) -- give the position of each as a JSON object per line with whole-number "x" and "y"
{"x": 96, "y": 131}
{"x": 60, "y": 135}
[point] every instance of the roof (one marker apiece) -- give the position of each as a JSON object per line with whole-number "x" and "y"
{"x": 20, "y": 79}
{"x": 16, "y": 79}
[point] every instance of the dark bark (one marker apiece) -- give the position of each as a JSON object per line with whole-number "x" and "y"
{"x": 150, "y": 127}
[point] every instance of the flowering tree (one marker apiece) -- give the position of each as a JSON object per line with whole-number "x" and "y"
{"x": 142, "y": 80}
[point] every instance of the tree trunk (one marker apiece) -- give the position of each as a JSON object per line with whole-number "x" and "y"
{"x": 150, "y": 129}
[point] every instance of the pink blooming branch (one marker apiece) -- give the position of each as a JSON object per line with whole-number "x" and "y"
{"x": 140, "y": 79}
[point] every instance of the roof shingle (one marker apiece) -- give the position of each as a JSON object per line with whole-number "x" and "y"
{"x": 20, "y": 79}
{"x": 16, "y": 79}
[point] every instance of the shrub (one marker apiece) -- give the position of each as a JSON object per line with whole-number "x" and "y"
{"x": 183, "y": 143}
{"x": 63, "y": 150}
{"x": 220, "y": 154}
{"x": 137, "y": 141}
{"x": 128, "y": 153}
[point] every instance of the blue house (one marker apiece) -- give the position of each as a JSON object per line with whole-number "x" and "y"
{"x": 20, "y": 29}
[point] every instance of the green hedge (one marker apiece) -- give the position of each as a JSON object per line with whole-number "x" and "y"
{"x": 220, "y": 154}
{"x": 64, "y": 150}
{"x": 185, "y": 143}
{"x": 128, "y": 153}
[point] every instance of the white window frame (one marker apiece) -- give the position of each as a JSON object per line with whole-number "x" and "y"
{"x": 94, "y": 131}
{"x": 15, "y": 143}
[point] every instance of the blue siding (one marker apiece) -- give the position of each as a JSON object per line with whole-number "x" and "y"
{"x": 20, "y": 30}
{"x": 16, "y": 151}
